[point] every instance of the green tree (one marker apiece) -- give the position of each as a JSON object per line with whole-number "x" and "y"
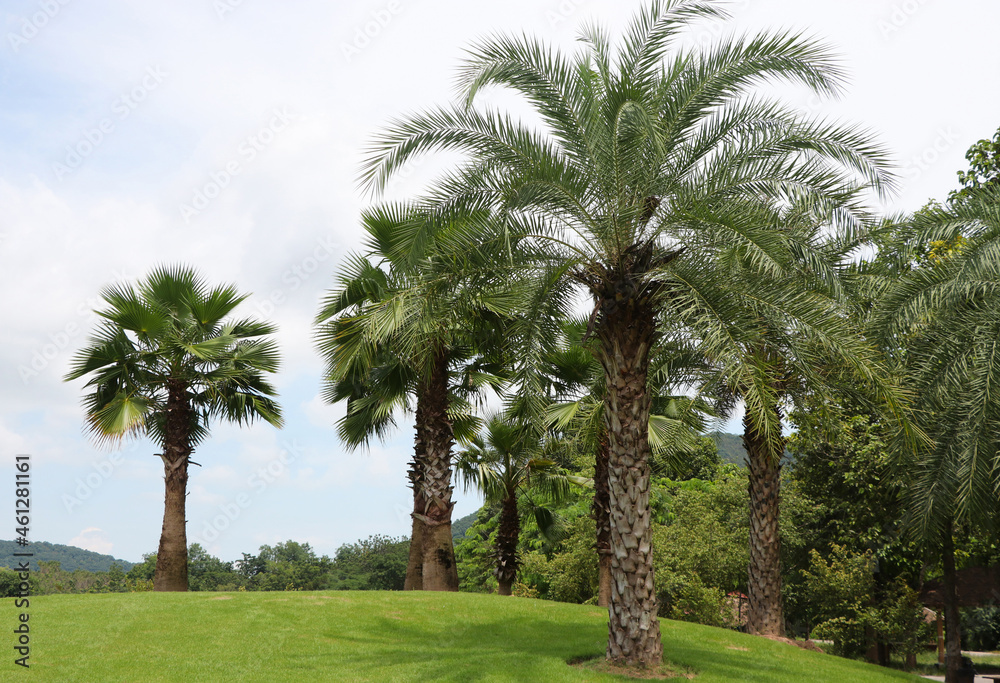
{"x": 504, "y": 462}
{"x": 375, "y": 563}
{"x": 840, "y": 591}
{"x": 984, "y": 169}
{"x": 944, "y": 316}
{"x": 209, "y": 573}
{"x": 652, "y": 163}
{"x": 396, "y": 328}
{"x": 163, "y": 364}
{"x": 850, "y": 496}
{"x": 291, "y": 566}
{"x": 700, "y": 546}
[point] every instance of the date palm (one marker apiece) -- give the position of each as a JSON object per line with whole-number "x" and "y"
{"x": 944, "y": 318}
{"x": 769, "y": 338}
{"x": 166, "y": 361}
{"x": 577, "y": 390}
{"x": 638, "y": 160}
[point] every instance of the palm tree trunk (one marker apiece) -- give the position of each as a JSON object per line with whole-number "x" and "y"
{"x": 414, "y": 580}
{"x": 601, "y": 510}
{"x": 952, "y": 619}
{"x": 626, "y": 331}
{"x": 439, "y": 571}
{"x": 171, "y": 557}
{"x": 765, "y": 615}
{"x": 507, "y": 537}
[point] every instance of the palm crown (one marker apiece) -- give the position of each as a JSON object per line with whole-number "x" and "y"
{"x": 170, "y": 333}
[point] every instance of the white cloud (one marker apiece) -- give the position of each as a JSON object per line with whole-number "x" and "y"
{"x": 93, "y": 538}
{"x": 321, "y": 414}
{"x": 117, "y": 213}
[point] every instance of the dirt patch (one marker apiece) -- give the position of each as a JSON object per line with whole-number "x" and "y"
{"x": 741, "y": 649}
{"x": 600, "y": 664}
{"x": 222, "y": 597}
{"x": 804, "y": 644}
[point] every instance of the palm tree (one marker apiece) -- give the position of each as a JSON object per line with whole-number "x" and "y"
{"x": 504, "y": 462}
{"x": 637, "y": 157}
{"x": 576, "y": 385}
{"x": 944, "y": 318}
{"x": 164, "y": 362}
{"x": 770, "y": 336}
{"x": 398, "y": 328}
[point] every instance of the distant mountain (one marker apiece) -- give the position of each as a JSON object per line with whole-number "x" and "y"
{"x": 460, "y": 526}
{"x": 70, "y": 558}
{"x": 730, "y": 448}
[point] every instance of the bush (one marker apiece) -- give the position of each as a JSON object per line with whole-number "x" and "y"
{"x": 686, "y": 598}
{"x": 981, "y": 628}
{"x": 840, "y": 592}
{"x": 900, "y": 621}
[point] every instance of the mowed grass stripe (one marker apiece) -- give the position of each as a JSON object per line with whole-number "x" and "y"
{"x": 375, "y": 636}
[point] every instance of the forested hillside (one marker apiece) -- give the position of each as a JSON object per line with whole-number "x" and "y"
{"x": 730, "y": 448}
{"x": 70, "y": 558}
{"x": 459, "y": 526}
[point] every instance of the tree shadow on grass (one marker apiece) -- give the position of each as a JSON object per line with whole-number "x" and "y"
{"x": 515, "y": 649}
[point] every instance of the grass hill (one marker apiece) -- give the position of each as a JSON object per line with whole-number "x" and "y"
{"x": 70, "y": 558}
{"x": 379, "y": 636}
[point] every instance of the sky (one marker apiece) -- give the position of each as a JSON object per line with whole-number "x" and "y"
{"x": 228, "y": 135}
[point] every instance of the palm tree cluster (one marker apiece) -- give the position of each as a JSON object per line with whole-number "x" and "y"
{"x": 692, "y": 210}
{"x": 707, "y": 230}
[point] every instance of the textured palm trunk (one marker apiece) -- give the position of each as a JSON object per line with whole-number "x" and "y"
{"x": 952, "y": 619}
{"x": 434, "y": 439}
{"x": 414, "y": 580}
{"x": 626, "y": 331}
{"x": 601, "y": 510}
{"x": 507, "y": 537}
{"x": 765, "y": 614}
{"x": 171, "y": 556}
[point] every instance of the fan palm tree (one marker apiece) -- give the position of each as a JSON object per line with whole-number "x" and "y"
{"x": 399, "y": 328}
{"x": 164, "y": 362}
{"x": 638, "y": 157}
{"x": 944, "y": 317}
{"x": 504, "y": 462}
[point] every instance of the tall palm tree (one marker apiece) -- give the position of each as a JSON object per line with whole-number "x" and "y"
{"x": 771, "y": 335}
{"x": 399, "y": 328}
{"x": 577, "y": 389}
{"x": 944, "y": 318}
{"x": 636, "y": 157}
{"x": 164, "y": 363}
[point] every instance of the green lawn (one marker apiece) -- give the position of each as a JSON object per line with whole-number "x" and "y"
{"x": 354, "y": 636}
